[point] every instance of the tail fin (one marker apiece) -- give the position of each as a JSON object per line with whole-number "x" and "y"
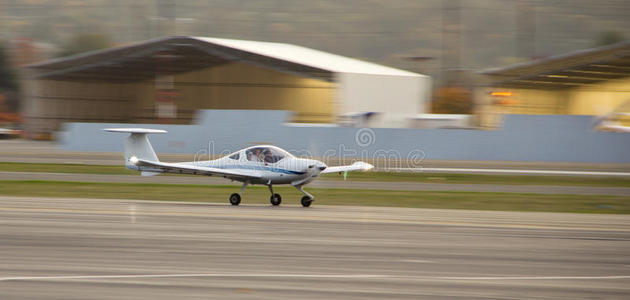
{"x": 137, "y": 144}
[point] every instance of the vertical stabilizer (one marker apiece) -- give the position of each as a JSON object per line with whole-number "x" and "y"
{"x": 137, "y": 144}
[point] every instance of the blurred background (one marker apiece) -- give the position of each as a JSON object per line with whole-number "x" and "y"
{"x": 468, "y": 63}
{"x": 474, "y": 111}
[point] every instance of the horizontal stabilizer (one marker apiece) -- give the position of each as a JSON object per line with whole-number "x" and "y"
{"x": 135, "y": 130}
{"x": 137, "y": 144}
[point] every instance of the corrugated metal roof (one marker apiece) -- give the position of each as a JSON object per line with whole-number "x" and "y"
{"x": 578, "y": 68}
{"x": 566, "y": 59}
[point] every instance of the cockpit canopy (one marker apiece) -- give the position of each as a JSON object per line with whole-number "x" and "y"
{"x": 267, "y": 154}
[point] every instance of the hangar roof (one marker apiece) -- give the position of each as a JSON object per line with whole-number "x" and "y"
{"x": 570, "y": 70}
{"x": 170, "y": 55}
{"x": 309, "y": 57}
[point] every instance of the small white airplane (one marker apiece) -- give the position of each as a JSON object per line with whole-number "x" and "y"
{"x": 262, "y": 164}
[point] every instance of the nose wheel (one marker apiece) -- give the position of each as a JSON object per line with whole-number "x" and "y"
{"x": 306, "y": 201}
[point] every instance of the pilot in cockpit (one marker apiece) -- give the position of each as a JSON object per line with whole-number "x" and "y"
{"x": 258, "y": 156}
{"x": 268, "y": 156}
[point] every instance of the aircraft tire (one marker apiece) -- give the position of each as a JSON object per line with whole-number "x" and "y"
{"x": 235, "y": 199}
{"x": 275, "y": 199}
{"x": 306, "y": 201}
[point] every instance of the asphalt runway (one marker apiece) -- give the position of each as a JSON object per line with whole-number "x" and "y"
{"x": 374, "y": 185}
{"x": 54, "y": 248}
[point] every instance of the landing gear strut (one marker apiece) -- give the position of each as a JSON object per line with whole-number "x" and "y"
{"x": 235, "y": 199}
{"x": 306, "y": 200}
{"x": 275, "y": 198}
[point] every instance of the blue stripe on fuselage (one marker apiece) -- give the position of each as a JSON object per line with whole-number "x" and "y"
{"x": 261, "y": 168}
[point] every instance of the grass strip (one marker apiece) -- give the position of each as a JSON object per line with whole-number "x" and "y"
{"x": 485, "y": 179}
{"x": 65, "y": 168}
{"x": 290, "y": 196}
{"x": 356, "y": 176}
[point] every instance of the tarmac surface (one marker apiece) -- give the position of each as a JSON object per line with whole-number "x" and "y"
{"x": 364, "y": 185}
{"x": 55, "y": 248}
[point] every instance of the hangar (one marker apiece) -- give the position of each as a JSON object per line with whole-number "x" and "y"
{"x": 166, "y": 80}
{"x": 594, "y": 81}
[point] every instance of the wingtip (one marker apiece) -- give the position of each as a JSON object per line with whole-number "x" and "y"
{"x": 363, "y": 165}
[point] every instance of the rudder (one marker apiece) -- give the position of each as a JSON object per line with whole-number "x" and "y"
{"x": 137, "y": 144}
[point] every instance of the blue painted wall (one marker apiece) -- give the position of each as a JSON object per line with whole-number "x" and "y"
{"x": 522, "y": 138}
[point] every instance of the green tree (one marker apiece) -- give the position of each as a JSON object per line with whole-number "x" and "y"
{"x": 86, "y": 42}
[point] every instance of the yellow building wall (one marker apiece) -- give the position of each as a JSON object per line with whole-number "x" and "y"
{"x": 242, "y": 86}
{"x": 596, "y": 99}
{"x": 599, "y": 99}
{"x": 537, "y": 102}
{"x": 145, "y": 94}
{"x": 522, "y": 101}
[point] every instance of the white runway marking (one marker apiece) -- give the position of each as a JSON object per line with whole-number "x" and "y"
{"x": 188, "y": 275}
{"x": 418, "y": 261}
{"x": 534, "y": 277}
{"x": 514, "y": 171}
{"x": 332, "y": 276}
{"x": 132, "y": 213}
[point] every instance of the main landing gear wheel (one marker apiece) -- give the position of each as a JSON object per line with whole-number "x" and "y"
{"x": 306, "y": 201}
{"x": 275, "y": 199}
{"x": 235, "y": 199}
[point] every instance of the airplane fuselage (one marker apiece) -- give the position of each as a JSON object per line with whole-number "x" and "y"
{"x": 285, "y": 170}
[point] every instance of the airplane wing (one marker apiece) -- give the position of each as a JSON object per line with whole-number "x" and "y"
{"x": 181, "y": 168}
{"x": 357, "y": 166}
